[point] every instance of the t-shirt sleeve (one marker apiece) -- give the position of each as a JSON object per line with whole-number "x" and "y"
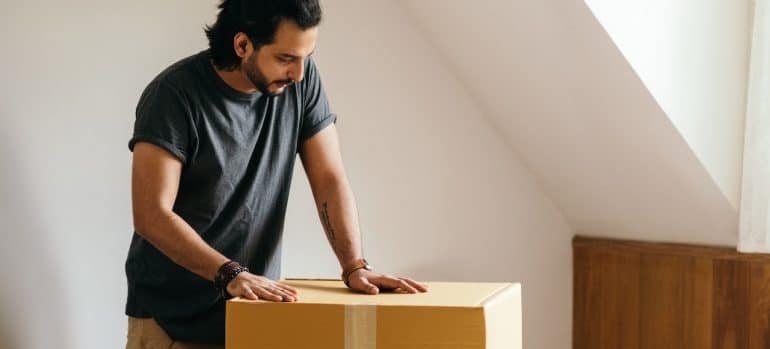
{"x": 163, "y": 119}
{"x": 316, "y": 113}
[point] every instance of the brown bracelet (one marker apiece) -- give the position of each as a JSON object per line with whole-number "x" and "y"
{"x": 358, "y": 264}
{"x": 226, "y": 273}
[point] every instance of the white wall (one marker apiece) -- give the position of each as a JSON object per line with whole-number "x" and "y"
{"x": 71, "y": 73}
{"x": 580, "y": 118}
{"x": 693, "y": 57}
{"x": 441, "y": 195}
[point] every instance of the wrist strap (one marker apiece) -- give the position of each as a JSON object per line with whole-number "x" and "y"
{"x": 357, "y": 264}
{"x": 226, "y": 273}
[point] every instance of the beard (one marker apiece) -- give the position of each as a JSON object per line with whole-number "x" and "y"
{"x": 258, "y": 79}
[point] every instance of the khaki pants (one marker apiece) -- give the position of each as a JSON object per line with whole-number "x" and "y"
{"x": 147, "y": 334}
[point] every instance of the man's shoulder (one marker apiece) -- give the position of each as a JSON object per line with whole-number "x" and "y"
{"x": 182, "y": 74}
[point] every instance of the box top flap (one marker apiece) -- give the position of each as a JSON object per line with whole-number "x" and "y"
{"x": 446, "y": 294}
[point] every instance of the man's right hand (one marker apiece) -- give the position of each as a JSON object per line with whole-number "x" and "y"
{"x": 250, "y": 286}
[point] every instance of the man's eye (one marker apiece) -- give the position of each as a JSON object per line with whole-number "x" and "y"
{"x": 284, "y": 60}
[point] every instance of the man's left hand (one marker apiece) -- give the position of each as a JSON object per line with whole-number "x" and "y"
{"x": 369, "y": 282}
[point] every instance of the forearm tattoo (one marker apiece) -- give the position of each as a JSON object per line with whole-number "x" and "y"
{"x": 328, "y": 226}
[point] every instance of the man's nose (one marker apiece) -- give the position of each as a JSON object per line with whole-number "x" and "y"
{"x": 297, "y": 73}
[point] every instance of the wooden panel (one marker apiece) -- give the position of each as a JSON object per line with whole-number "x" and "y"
{"x": 645, "y": 295}
{"x": 712, "y": 252}
{"x": 662, "y": 295}
{"x": 731, "y": 304}
{"x": 699, "y": 305}
{"x": 675, "y": 310}
{"x": 759, "y": 306}
{"x": 606, "y": 317}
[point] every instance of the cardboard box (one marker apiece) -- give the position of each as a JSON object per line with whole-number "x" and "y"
{"x": 329, "y": 316}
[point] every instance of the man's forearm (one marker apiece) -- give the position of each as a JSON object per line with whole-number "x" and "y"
{"x": 339, "y": 217}
{"x": 170, "y": 234}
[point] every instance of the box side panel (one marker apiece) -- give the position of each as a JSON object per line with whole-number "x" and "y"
{"x": 412, "y": 327}
{"x": 360, "y": 326}
{"x": 502, "y": 316}
{"x": 284, "y": 326}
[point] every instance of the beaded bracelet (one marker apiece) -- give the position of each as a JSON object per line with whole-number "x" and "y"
{"x": 226, "y": 273}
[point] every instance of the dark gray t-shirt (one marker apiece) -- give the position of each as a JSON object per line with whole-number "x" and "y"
{"x": 238, "y": 152}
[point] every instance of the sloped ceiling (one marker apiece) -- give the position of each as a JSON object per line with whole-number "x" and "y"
{"x": 692, "y": 55}
{"x": 574, "y": 110}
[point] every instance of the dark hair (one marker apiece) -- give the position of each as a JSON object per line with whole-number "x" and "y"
{"x": 259, "y": 20}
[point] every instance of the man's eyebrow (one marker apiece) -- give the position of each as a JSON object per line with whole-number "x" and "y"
{"x": 289, "y": 55}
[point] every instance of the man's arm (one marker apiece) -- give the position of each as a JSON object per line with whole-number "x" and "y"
{"x": 337, "y": 210}
{"x": 154, "y": 185}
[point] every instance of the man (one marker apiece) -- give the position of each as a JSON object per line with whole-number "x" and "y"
{"x": 214, "y": 145}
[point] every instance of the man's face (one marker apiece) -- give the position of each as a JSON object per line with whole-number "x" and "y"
{"x": 274, "y": 67}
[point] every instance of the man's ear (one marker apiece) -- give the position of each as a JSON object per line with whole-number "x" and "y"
{"x": 242, "y": 45}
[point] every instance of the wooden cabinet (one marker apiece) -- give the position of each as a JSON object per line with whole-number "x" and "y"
{"x": 641, "y": 295}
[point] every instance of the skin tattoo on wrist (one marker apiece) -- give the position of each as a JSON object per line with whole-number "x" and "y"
{"x": 327, "y": 224}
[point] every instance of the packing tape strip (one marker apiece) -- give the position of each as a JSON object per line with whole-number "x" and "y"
{"x": 360, "y": 326}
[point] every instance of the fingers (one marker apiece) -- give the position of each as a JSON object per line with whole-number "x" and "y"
{"x": 265, "y": 294}
{"x": 250, "y": 294}
{"x": 405, "y": 284}
{"x": 402, "y": 284}
{"x": 419, "y": 286}
{"x": 369, "y": 287}
{"x": 255, "y": 287}
{"x": 287, "y": 292}
{"x": 285, "y": 295}
{"x": 242, "y": 290}
{"x": 287, "y": 288}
